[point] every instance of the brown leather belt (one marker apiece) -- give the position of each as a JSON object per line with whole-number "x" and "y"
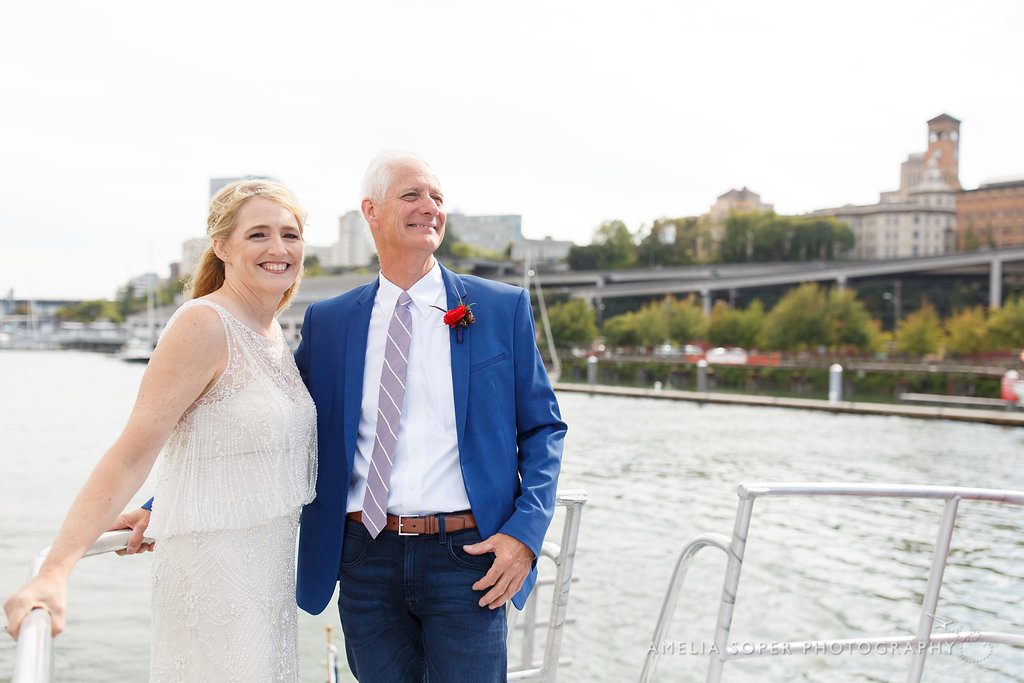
{"x": 428, "y": 524}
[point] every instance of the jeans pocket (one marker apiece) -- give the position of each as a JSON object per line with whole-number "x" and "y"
{"x": 480, "y": 563}
{"x": 353, "y": 549}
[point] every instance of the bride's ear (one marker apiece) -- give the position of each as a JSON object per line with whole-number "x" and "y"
{"x": 218, "y": 249}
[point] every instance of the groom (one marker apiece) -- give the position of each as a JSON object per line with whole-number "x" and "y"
{"x": 440, "y": 442}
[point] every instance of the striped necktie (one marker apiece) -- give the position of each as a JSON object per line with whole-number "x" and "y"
{"x": 389, "y": 412}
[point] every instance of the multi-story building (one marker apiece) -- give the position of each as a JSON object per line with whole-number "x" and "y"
{"x": 991, "y": 215}
{"x": 139, "y": 285}
{"x": 546, "y": 250}
{"x": 324, "y": 255}
{"x": 737, "y": 201}
{"x": 355, "y": 245}
{"x": 918, "y": 219}
{"x": 919, "y": 224}
{"x": 493, "y": 233}
{"x": 191, "y": 251}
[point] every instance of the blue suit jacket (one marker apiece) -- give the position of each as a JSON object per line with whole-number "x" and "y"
{"x": 509, "y": 428}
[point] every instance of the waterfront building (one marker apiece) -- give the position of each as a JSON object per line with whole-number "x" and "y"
{"x": 493, "y": 233}
{"x": 354, "y": 247}
{"x": 712, "y": 224}
{"x": 139, "y": 285}
{"x": 191, "y": 251}
{"x": 737, "y": 201}
{"x": 324, "y": 255}
{"x": 918, "y": 219}
{"x": 991, "y": 215}
{"x": 546, "y": 250}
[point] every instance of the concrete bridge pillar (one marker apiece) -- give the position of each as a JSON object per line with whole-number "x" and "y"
{"x": 995, "y": 284}
{"x": 705, "y": 296}
{"x": 841, "y": 282}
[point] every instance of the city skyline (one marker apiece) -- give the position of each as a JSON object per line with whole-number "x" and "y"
{"x": 599, "y": 112}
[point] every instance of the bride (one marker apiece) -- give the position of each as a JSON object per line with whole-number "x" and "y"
{"x": 224, "y": 403}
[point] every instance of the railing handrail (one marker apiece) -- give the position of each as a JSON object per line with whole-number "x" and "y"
{"x": 923, "y": 637}
{"x": 34, "y": 655}
{"x": 33, "y": 658}
{"x": 869, "y": 490}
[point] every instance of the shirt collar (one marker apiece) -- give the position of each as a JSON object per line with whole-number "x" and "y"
{"x": 426, "y": 293}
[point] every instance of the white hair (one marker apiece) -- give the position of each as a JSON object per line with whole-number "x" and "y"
{"x": 381, "y": 172}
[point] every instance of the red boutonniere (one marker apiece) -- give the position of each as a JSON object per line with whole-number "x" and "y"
{"x": 459, "y": 318}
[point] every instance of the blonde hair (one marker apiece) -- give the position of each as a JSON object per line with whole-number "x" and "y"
{"x": 224, "y": 207}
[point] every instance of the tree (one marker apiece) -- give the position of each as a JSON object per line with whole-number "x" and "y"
{"x": 621, "y": 330}
{"x": 731, "y": 327}
{"x": 311, "y": 266}
{"x": 850, "y": 324}
{"x": 798, "y": 321}
{"x": 167, "y": 291}
{"x": 670, "y": 242}
{"x": 612, "y": 248}
{"x": 920, "y": 333}
{"x": 651, "y": 324}
{"x": 966, "y": 332}
{"x": 572, "y": 323}
{"x": 618, "y": 248}
{"x": 91, "y": 311}
{"x": 583, "y": 257}
{"x": 762, "y": 237}
{"x": 685, "y": 318}
{"x": 1006, "y": 325}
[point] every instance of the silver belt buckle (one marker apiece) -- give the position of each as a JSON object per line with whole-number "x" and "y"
{"x": 406, "y": 533}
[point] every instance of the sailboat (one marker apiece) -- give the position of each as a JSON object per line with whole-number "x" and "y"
{"x": 139, "y": 349}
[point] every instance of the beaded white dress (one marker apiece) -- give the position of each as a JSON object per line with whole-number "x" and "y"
{"x": 234, "y": 475}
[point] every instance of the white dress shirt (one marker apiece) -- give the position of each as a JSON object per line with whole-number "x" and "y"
{"x": 426, "y": 477}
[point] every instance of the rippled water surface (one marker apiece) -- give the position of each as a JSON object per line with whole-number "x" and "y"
{"x": 658, "y": 473}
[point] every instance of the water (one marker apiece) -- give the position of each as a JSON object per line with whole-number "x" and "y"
{"x": 658, "y": 473}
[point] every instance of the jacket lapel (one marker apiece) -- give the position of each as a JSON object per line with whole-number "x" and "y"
{"x": 355, "y": 361}
{"x": 456, "y": 289}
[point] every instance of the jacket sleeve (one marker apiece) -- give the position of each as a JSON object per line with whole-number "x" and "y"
{"x": 540, "y": 433}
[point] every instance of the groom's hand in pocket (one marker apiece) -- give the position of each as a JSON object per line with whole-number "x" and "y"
{"x": 512, "y": 562}
{"x": 137, "y": 520}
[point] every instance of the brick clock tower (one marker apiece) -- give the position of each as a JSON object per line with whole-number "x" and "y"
{"x": 944, "y": 148}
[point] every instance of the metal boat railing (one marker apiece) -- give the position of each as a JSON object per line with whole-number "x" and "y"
{"x": 33, "y": 659}
{"x": 563, "y": 555}
{"x": 919, "y": 644}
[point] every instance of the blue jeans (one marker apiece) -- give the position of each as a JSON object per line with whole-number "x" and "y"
{"x": 409, "y": 612}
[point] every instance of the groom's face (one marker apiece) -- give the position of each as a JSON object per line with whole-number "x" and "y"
{"x": 411, "y": 217}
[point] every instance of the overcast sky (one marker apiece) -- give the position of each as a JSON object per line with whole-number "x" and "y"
{"x": 116, "y": 114}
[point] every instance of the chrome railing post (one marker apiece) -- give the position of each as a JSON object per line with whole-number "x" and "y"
{"x": 563, "y": 556}
{"x": 920, "y": 643}
{"x": 529, "y": 630}
{"x": 730, "y": 585}
{"x": 931, "y": 596}
{"x": 668, "y": 607}
{"x": 574, "y": 502}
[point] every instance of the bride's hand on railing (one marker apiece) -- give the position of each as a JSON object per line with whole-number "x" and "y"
{"x": 48, "y": 591}
{"x": 137, "y": 520}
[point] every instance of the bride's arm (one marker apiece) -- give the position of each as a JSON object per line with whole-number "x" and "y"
{"x": 190, "y": 356}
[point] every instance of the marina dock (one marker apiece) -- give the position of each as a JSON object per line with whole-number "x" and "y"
{"x": 1004, "y": 418}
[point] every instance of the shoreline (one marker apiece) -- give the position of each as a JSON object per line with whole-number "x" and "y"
{"x": 996, "y": 417}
